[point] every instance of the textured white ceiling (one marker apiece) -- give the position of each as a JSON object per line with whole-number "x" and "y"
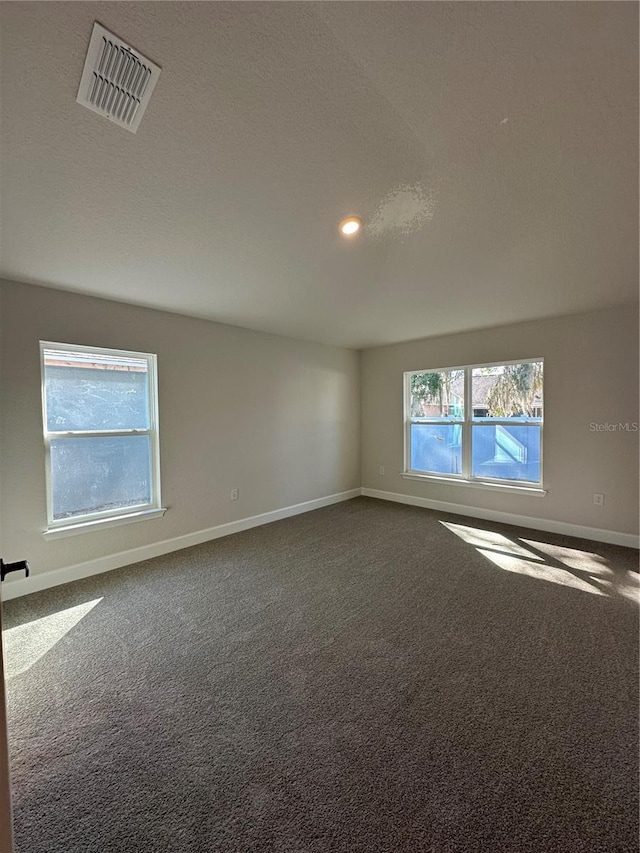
{"x": 490, "y": 148}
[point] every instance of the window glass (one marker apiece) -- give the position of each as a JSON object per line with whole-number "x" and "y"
{"x": 95, "y": 392}
{"x": 100, "y": 473}
{"x": 507, "y": 391}
{"x": 438, "y": 394}
{"x": 506, "y": 452}
{"x": 436, "y": 448}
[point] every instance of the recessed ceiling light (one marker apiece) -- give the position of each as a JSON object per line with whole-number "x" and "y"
{"x": 350, "y": 226}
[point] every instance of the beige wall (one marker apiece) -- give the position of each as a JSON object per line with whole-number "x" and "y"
{"x": 276, "y": 418}
{"x": 279, "y": 418}
{"x": 591, "y": 376}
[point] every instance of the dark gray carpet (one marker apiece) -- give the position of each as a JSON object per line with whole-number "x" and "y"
{"x": 359, "y": 679}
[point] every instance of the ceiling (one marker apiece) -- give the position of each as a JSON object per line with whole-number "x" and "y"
{"x": 490, "y": 148}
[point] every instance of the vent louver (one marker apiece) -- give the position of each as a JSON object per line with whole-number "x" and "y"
{"x": 117, "y": 81}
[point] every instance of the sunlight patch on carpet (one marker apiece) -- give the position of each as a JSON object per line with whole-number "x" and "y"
{"x": 26, "y": 644}
{"x": 584, "y": 561}
{"x": 540, "y": 571}
{"x": 488, "y": 539}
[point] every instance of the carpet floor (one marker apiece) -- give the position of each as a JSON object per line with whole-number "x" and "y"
{"x": 365, "y": 678}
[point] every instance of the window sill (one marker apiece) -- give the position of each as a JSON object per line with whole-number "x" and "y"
{"x": 533, "y": 491}
{"x": 102, "y": 523}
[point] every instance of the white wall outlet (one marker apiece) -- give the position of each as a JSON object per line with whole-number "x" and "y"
{"x": 382, "y": 470}
{"x": 598, "y": 499}
{"x": 235, "y": 494}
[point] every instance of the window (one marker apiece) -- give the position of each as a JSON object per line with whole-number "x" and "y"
{"x": 100, "y": 418}
{"x": 481, "y": 423}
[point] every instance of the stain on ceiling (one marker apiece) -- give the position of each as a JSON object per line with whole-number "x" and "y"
{"x": 489, "y": 148}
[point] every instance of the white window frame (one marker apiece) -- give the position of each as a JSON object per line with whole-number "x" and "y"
{"x": 121, "y": 515}
{"x": 467, "y": 423}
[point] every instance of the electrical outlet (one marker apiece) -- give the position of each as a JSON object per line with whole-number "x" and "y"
{"x": 382, "y": 470}
{"x": 235, "y": 494}
{"x": 598, "y": 499}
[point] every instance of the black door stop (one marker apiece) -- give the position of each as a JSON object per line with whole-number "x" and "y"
{"x": 20, "y": 566}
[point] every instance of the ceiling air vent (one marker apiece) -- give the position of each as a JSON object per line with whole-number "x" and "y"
{"x": 117, "y": 81}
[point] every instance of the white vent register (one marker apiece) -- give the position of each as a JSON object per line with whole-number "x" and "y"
{"x": 117, "y": 81}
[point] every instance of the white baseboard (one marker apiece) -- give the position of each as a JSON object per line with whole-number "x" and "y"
{"x": 15, "y": 587}
{"x": 629, "y": 540}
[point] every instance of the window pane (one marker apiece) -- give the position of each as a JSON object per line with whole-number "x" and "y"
{"x": 439, "y": 394}
{"x": 506, "y": 452}
{"x": 86, "y": 391}
{"x": 436, "y": 449}
{"x": 507, "y": 391}
{"x": 94, "y": 474}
